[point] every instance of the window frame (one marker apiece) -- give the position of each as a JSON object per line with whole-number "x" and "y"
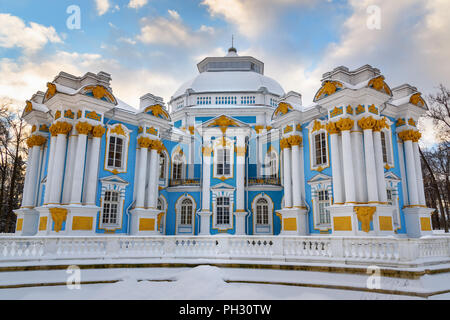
{"x": 317, "y": 127}
{"x": 185, "y": 228}
{"x": 115, "y": 131}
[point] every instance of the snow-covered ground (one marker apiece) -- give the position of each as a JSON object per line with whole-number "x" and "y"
{"x": 201, "y": 282}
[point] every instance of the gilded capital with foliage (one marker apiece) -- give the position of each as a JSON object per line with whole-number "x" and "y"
{"x": 83, "y": 127}
{"x": 367, "y": 123}
{"x": 98, "y": 131}
{"x": 36, "y": 140}
{"x": 345, "y": 124}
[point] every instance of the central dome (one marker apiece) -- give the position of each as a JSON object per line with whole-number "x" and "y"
{"x": 231, "y": 73}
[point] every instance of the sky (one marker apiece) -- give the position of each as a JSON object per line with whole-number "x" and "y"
{"x": 153, "y": 46}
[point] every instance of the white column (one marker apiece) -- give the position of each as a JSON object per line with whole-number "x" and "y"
{"x": 302, "y": 176}
{"x": 411, "y": 173}
{"x": 29, "y": 196}
{"x": 51, "y": 158}
{"x": 240, "y": 174}
{"x": 140, "y": 185}
{"x": 69, "y": 173}
{"x": 152, "y": 190}
{"x": 401, "y": 160}
{"x": 371, "y": 173}
{"x": 206, "y": 179}
{"x": 296, "y": 179}
{"x": 379, "y": 166}
{"x": 78, "y": 165}
{"x": 419, "y": 176}
{"x": 338, "y": 188}
{"x": 287, "y": 178}
{"x": 349, "y": 176}
{"x": 58, "y": 163}
{"x": 92, "y": 175}
{"x": 205, "y": 213}
{"x": 358, "y": 154}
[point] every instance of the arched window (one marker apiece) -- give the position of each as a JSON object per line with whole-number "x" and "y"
{"x": 262, "y": 212}
{"x": 186, "y": 212}
{"x": 273, "y": 165}
{"x": 178, "y": 167}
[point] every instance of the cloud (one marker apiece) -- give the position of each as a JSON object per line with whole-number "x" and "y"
{"x": 251, "y": 17}
{"x": 136, "y": 4}
{"x": 23, "y": 77}
{"x": 102, "y": 6}
{"x": 15, "y": 33}
{"x": 172, "y": 31}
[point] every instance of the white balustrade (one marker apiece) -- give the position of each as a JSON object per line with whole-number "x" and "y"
{"x": 359, "y": 250}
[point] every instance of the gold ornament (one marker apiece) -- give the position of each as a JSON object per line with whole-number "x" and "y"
{"x": 98, "y": 131}
{"x": 83, "y": 127}
{"x": 144, "y": 142}
{"x": 365, "y": 215}
{"x": 295, "y": 140}
{"x": 59, "y": 215}
{"x": 332, "y": 128}
{"x": 367, "y": 123}
{"x": 345, "y": 124}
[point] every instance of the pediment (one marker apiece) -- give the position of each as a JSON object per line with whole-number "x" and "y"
{"x": 114, "y": 179}
{"x": 224, "y": 121}
{"x": 320, "y": 177}
{"x": 391, "y": 176}
{"x": 222, "y": 186}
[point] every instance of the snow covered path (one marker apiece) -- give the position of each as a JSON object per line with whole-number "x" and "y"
{"x": 202, "y": 282}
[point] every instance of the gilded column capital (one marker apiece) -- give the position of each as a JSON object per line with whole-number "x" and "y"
{"x": 144, "y": 142}
{"x": 380, "y": 124}
{"x": 412, "y": 135}
{"x": 284, "y": 144}
{"x": 345, "y": 124}
{"x": 240, "y": 151}
{"x": 36, "y": 140}
{"x": 83, "y": 127}
{"x": 332, "y": 128}
{"x": 365, "y": 215}
{"x": 367, "y": 123}
{"x": 60, "y": 127}
{"x": 295, "y": 140}
{"x": 157, "y": 145}
{"x": 98, "y": 131}
{"x": 206, "y": 151}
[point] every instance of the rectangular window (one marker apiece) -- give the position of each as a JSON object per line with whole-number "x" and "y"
{"x": 389, "y": 197}
{"x": 223, "y": 210}
{"x": 223, "y": 162}
{"x": 110, "y": 208}
{"x": 320, "y": 149}
{"x": 115, "y": 152}
{"x": 383, "y": 147}
{"x": 324, "y": 201}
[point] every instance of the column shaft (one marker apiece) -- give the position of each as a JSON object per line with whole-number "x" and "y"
{"x": 51, "y": 157}
{"x": 371, "y": 172}
{"x": 152, "y": 194}
{"x": 419, "y": 176}
{"x": 379, "y": 166}
{"x": 206, "y": 177}
{"x": 349, "y": 176}
{"x": 92, "y": 175}
{"x": 358, "y": 155}
{"x": 411, "y": 173}
{"x": 338, "y": 188}
{"x": 287, "y": 178}
{"x": 296, "y": 189}
{"x": 58, "y": 168}
{"x": 140, "y": 186}
{"x": 78, "y": 169}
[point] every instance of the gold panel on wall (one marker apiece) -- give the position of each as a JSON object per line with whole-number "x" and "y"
{"x": 342, "y": 223}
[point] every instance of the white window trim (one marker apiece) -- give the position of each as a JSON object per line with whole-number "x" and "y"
{"x": 178, "y": 213}
{"x": 118, "y": 187}
{"x": 311, "y": 138}
{"x": 183, "y": 166}
{"x": 223, "y": 192}
{"x": 166, "y": 168}
{"x": 268, "y": 168}
{"x": 316, "y": 186}
{"x": 218, "y": 145}
{"x": 389, "y": 145}
{"x": 114, "y": 132}
{"x": 271, "y": 208}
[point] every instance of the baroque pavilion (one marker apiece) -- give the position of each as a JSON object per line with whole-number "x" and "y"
{"x": 231, "y": 152}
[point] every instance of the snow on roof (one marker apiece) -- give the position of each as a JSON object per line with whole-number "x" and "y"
{"x": 125, "y": 106}
{"x": 230, "y": 81}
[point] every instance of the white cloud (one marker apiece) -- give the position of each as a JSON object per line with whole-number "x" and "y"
{"x": 102, "y": 6}
{"x": 15, "y": 33}
{"x": 250, "y": 16}
{"x": 172, "y": 31}
{"x": 136, "y": 4}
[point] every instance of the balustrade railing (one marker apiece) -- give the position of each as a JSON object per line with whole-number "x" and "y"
{"x": 380, "y": 250}
{"x": 184, "y": 182}
{"x": 265, "y": 180}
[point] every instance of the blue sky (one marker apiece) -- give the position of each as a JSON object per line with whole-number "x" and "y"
{"x": 154, "y": 45}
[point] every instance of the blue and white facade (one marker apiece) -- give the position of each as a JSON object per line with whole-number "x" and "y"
{"x": 231, "y": 153}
